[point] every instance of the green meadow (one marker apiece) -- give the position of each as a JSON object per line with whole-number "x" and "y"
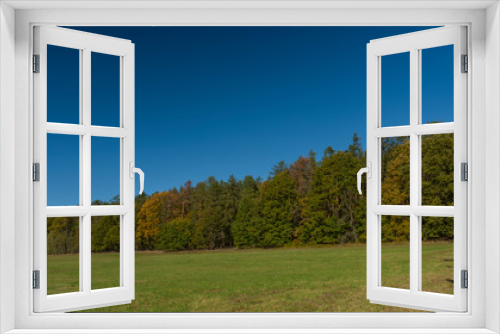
{"x": 309, "y": 279}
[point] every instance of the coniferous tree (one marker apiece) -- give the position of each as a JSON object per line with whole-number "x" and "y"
{"x": 246, "y": 228}
{"x": 278, "y": 168}
{"x": 306, "y": 202}
{"x": 279, "y": 216}
{"x": 200, "y": 233}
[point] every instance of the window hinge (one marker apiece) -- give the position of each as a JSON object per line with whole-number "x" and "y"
{"x": 465, "y": 63}
{"x": 36, "y": 63}
{"x": 36, "y": 279}
{"x": 36, "y": 172}
{"x": 465, "y": 279}
{"x": 464, "y": 171}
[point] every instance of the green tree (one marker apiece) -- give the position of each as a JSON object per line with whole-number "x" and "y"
{"x": 279, "y": 210}
{"x": 331, "y": 211}
{"x": 176, "y": 234}
{"x": 63, "y": 235}
{"x": 278, "y": 168}
{"x": 306, "y": 202}
{"x": 105, "y": 233}
{"x": 246, "y": 228}
{"x": 437, "y": 170}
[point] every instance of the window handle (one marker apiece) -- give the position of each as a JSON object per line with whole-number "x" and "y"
{"x": 139, "y": 171}
{"x": 368, "y": 171}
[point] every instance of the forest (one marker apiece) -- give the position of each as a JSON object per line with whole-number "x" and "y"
{"x": 311, "y": 201}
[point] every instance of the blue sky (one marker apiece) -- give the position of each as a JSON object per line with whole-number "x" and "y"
{"x": 232, "y": 100}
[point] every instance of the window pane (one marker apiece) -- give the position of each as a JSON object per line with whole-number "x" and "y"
{"x": 437, "y": 254}
{"x": 395, "y": 174}
{"x": 105, "y": 252}
{"x": 63, "y": 259}
{"x": 105, "y": 90}
{"x": 63, "y": 85}
{"x": 395, "y": 90}
{"x": 396, "y": 252}
{"x": 63, "y": 170}
{"x": 105, "y": 170}
{"x": 437, "y": 170}
{"x": 437, "y": 84}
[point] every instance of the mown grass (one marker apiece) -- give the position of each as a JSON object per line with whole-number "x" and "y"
{"x": 327, "y": 279}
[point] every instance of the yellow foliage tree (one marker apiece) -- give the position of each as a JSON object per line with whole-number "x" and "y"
{"x": 150, "y": 220}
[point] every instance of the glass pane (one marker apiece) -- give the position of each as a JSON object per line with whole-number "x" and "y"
{"x": 105, "y": 252}
{"x": 105, "y": 90}
{"x": 437, "y": 254}
{"x": 395, "y": 171}
{"x": 437, "y": 84}
{"x": 105, "y": 171}
{"x": 63, "y": 170}
{"x": 395, "y": 90}
{"x": 63, "y": 259}
{"x": 396, "y": 252}
{"x": 437, "y": 170}
{"x": 63, "y": 85}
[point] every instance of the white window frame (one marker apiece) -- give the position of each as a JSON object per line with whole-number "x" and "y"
{"x": 414, "y": 44}
{"x": 16, "y": 126}
{"x": 85, "y": 43}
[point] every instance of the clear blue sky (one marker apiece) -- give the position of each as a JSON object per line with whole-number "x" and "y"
{"x": 232, "y": 100}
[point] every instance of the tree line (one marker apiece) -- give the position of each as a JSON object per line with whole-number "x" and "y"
{"x": 308, "y": 202}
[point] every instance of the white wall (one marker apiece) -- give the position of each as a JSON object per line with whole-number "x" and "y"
{"x": 7, "y": 157}
{"x": 492, "y": 161}
{"x": 477, "y": 125}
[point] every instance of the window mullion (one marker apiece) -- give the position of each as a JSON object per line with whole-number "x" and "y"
{"x": 85, "y": 166}
{"x": 414, "y": 171}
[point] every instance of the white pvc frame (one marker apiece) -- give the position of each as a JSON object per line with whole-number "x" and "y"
{"x": 483, "y": 21}
{"x": 414, "y": 43}
{"x": 85, "y": 43}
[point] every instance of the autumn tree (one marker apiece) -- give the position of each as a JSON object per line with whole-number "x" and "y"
{"x": 309, "y": 201}
{"x": 151, "y": 217}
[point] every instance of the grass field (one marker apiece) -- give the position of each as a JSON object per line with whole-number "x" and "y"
{"x": 328, "y": 279}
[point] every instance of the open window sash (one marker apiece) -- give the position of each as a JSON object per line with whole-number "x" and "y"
{"x": 414, "y": 43}
{"x": 86, "y": 43}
